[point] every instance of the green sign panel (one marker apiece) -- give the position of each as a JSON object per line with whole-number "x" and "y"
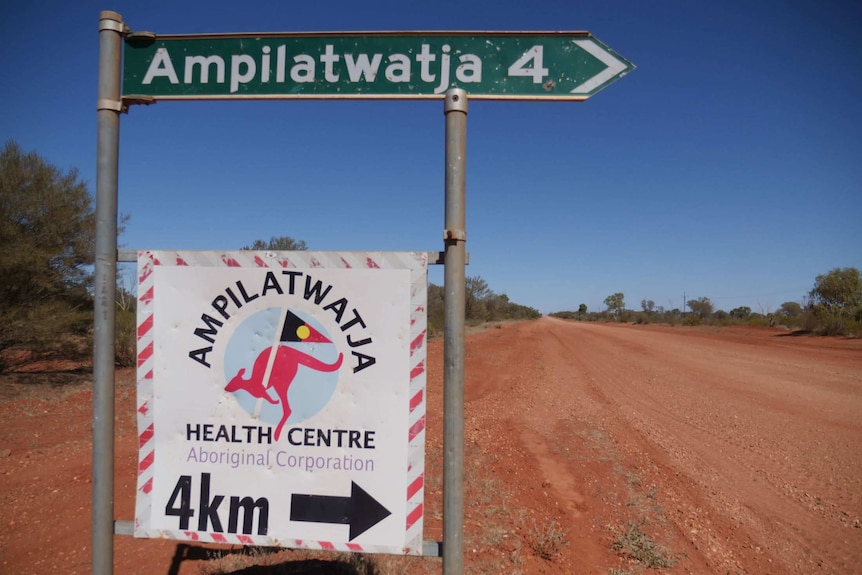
{"x": 487, "y": 65}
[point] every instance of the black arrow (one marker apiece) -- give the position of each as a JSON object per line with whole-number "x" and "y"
{"x": 360, "y": 510}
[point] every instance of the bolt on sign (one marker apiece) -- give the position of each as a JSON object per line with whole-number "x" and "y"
{"x": 487, "y": 65}
{"x": 281, "y": 398}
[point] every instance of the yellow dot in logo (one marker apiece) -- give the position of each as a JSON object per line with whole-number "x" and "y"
{"x": 303, "y": 332}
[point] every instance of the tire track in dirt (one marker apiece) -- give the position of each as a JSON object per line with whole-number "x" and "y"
{"x": 562, "y": 424}
{"x": 555, "y": 476}
{"x": 511, "y": 392}
{"x": 635, "y": 452}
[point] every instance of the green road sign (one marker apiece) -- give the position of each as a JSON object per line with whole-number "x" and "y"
{"x": 378, "y": 65}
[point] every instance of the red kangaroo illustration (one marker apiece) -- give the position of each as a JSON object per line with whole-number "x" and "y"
{"x": 284, "y": 368}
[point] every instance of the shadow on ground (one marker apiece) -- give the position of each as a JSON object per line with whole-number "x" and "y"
{"x": 36, "y": 383}
{"x": 51, "y": 377}
{"x": 186, "y": 552}
{"x": 795, "y": 333}
{"x": 307, "y": 567}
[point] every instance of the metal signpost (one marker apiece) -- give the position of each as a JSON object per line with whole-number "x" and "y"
{"x": 358, "y": 500}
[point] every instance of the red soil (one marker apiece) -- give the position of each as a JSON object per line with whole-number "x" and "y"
{"x": 736, "y": 450}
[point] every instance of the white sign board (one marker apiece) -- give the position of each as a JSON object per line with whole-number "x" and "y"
{"x": 281, "y": 398}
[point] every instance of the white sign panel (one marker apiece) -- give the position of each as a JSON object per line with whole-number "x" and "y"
{"x": 281, "y": 398}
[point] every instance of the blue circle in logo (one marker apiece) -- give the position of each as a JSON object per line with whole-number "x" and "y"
{"x": 298, "y": 382}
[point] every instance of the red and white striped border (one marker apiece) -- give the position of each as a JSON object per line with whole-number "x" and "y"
{"x": 416, "y": 262}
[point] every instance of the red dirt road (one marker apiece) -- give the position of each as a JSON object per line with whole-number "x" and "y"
{"x": 750, "y": 440}
{"x": 735, "y": 450}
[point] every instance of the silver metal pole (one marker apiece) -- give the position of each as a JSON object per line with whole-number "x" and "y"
{"x": 454, "y": 286}
{"x": 109, "y": 107}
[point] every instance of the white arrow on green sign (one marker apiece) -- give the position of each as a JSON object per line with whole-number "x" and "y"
{"x": 377, "y": 65}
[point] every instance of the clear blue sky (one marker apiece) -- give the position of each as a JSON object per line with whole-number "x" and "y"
{"x": 727, "y": 165}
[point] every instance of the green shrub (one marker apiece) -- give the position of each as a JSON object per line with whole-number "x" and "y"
{"x": 126, "y": 338}
{"x": 691, "y": 320}
{"x": 635, "y": 544}
{"x": 547, "y": 541}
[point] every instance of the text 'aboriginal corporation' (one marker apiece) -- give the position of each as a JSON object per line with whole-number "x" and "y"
{"x": 279, "y": 458}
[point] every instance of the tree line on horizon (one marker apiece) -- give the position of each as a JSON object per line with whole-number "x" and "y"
{"x": 481, "y": 304}
{"x": 48, "y": 231}
{"x": 833, "y": 306}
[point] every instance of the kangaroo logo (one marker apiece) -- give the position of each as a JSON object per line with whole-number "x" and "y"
{"x": 292, "y": 364}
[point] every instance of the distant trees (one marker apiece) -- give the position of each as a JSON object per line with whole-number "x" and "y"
{"x": 839, "y": 290}
{"x": 477, "y": 297}
{"x": 834, "y": 307}
{"x": 481, "y": 305}
{"x": 702, "y": 307}
{"x": 742, "y": 312}
{"x": 436, "y": 317}
{"x": 615, "y": 303}
{"x": 276, "y": 244}
{"x": 836, "y": 301}
{"x": 790, "y": 309}
{"x": 47, "y": 234}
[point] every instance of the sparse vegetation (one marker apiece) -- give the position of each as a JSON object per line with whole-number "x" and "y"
{"x": 127, "y": 338}
{"x": 547, "y": 540}
{"x": 224, "y": 562}
{"x": 635, "y": 544}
